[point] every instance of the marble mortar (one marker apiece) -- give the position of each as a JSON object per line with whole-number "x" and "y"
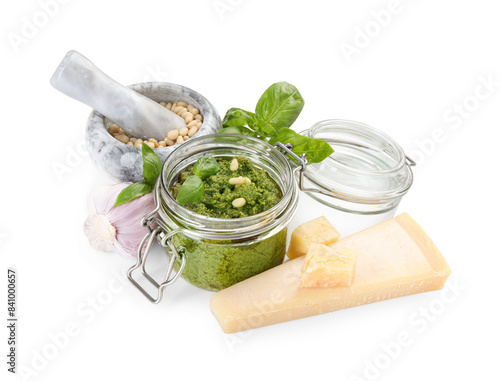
{"x": 124, "y": 162}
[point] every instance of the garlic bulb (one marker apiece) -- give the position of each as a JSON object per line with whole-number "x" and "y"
{"x": 116, "y": 228}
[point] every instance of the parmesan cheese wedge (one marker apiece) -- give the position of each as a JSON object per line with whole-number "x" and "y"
{"x": 395, "y": 258}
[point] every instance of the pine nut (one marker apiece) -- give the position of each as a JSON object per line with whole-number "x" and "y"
{"x": 122, "y": 138}
{"x": 192, "y": 131}
{"x": 239, "y": 202}
{"x": 163, "y": 143}
{"x": 247, "y": 181}
{"x": 183, "y": 104}
{"x": 236, "y": 181}
{"x": 179, "y": 140}
{"x": 198, "y": 116}
{"x": 152, "y": 145}
{"x": 195, "y": 111}
{"x": 169, "y": 106}
{"x": 169, "y": 142}
{"x": 163, "y": 104}
{"x": 192, "y": 123}
{"x": 153, "y": 140}
{"x": 234, "y": 165}
{"x": 180, "y": 110}
{"x": 188, "y": 117}
{"x": 172, "y": 135}
{"x": 113, "y": 129}
{"x": 130, "y": 144}
{"x": 190, "y": 107}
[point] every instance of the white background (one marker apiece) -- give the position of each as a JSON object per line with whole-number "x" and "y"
{"x": 404, "y": 80}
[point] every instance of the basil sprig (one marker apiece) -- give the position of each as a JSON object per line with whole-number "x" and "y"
{"x": 133, "y": 191}
{"x": 276, "y": 110}
{"x": 192, "y": 189}
{"x": 151, "y": 169}
{"x": 316, "y": 150}
{"x": 206, "y": 166}
{"x": 280, "y": 105}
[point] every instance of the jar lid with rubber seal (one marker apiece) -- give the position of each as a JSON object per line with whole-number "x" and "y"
{"x": 361, "y": 183}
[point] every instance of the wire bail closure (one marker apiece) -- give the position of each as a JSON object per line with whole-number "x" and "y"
{"x": 158, "y": 231}
{"x": 286, "y": 150}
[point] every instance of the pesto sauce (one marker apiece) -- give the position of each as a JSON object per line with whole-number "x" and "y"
{"x": 260, "y": 195}
{"x": 217, "y": 265}
{"x": 214, "y": 265}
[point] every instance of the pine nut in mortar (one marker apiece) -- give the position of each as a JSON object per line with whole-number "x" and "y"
{"x": 192, "y": 131}
{"x": 172, "y": 135}
{"x": 188, "y": 112}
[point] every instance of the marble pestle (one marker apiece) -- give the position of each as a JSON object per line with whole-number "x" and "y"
{"x": 80, "y": 79}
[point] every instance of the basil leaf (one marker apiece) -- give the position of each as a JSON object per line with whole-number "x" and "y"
{"x": 151, "y": 165}
{"x": 237, "y": 130}
{"x": 133, "y": 191}
{"x": 264, "y": 129}
{"x": 316, "y": 150}
{"x": 237, "y": 117}
{"x": 206, "y": 166}
{"x": 191, "y": 191}
{"x": 286, "y": 135}
{"x": 280, "y": 105}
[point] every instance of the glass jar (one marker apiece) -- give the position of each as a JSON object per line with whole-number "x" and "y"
{"x": 215, "y": 253}
{"x": 361, "y": 183}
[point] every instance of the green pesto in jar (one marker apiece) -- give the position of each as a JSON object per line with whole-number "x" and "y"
{"x": 214, "y": 265}
{"x": 260, "y": 195}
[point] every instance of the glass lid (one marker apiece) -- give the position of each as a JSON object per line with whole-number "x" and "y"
{"x": 367, "y": 166}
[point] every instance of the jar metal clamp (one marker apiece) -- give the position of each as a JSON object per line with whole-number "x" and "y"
{"x": 161, "y": 233}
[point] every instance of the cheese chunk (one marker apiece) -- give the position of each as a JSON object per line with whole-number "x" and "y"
{"x": 319, "y": 230}
{"x": 327, "y": 267}
{"x": 395, "y": 258}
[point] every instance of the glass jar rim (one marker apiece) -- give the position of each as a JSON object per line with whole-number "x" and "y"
{"x": 182, "y": 157}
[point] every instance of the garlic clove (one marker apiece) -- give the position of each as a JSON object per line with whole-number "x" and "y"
{"x": 100, "y": 232}
{"x": 127, "y": 220}
{"x": 116, "y": 228}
